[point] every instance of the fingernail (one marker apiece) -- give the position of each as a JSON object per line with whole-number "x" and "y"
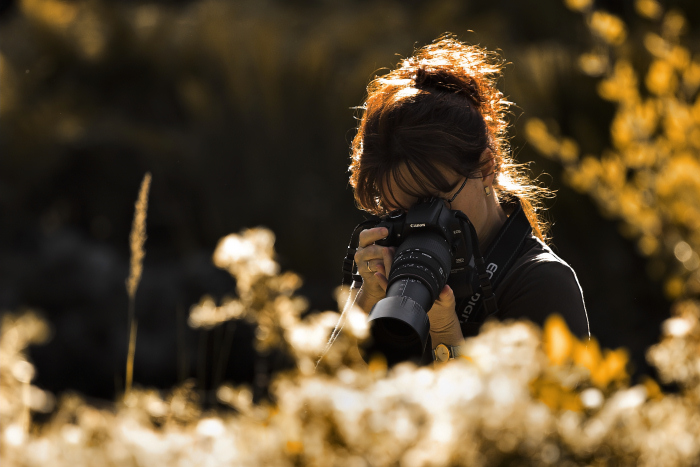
{"x": 385, "y": 232}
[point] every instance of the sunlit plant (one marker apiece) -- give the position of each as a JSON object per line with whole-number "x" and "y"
{"x": 649, "y": 178}
{"x": 520, "y": 395}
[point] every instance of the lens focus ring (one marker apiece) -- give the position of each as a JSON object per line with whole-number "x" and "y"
{"x": 424, "y": 256}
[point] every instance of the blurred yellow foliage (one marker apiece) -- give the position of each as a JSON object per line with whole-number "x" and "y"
{"x": 609, "y": 27}
{"x": 563, "y": 348}
{"x": 556, "y": 397}
{"x": 557, "y": 340}
{"x": 649, "y": 8}
{"x": 593, "y": 63}
{"x": 650, "y": 179}
{"x": 661, "y": 79}
{"x": 55, "y": 13}
{"x": 578, "y": 5}
{"x": 621, "y": 84}
{"x": 77, "y": 20}
{"x": 673, "y": 24}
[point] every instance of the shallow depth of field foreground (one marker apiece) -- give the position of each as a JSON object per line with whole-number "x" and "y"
{"x": 519, "y": 395}
{"x": 522, "y": 396}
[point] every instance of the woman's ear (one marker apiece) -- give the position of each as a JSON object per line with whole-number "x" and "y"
{"x": 488, "y": 167}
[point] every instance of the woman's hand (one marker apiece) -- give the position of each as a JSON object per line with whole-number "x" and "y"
{"x": 444, "y": 324}
{"x": 374, "y": 265}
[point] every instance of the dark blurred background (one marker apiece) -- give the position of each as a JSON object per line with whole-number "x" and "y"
{"x": 243, "y": 113}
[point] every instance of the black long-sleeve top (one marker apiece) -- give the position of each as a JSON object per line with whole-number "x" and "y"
{"x": 538, "y": 285}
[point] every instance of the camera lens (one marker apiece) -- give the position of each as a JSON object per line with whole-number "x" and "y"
{"x": 424, "y": 256}
{"x": 419, "y": 272}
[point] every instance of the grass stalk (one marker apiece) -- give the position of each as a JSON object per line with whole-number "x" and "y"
{"x": 130, "y": 357}
{"x": 137, "y": 239}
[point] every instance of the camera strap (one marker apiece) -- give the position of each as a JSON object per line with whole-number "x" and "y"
{"x": 499, "y": 257}
{"x": 350, "y": 274}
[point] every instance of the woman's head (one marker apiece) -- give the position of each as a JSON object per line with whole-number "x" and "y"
{"x": 435, "y": 120}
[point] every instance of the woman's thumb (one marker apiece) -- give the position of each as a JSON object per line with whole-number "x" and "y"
{"x": 446, "y": 295}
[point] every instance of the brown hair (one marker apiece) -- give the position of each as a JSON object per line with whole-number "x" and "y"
{"x": 440, "y": 107}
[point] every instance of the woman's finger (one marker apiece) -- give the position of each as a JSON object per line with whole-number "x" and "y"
{"x": 446, "y": 299}
{"x": 388, "y": 259}
{"x": 444, "y": 324}
{"x": 367, "y": 259}
{"x": 381, "y": 277}
{"x": 369, "y": 236}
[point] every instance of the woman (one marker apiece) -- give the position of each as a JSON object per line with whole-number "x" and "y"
{"x": 435, "y": 127}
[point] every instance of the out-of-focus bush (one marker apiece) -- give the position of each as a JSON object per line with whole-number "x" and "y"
{"x": 520, "y": 396}
{"x": 649, "y": 178}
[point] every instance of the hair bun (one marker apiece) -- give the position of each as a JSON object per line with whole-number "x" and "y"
{"x": 444, "y": 80}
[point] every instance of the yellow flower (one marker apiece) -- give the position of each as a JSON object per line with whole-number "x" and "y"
{"x": 295, "y": 447}
{"x": 587, "y": 355}
{"x": 648, "y": 245}
{"x": 584, "y": 177}
{"x": 621, "y": 86}
{"x": 578, "y": 5}
{"x": 694, "y": 138}
{"x": 639, "y": 156}
{"x": 537, "y": 134}
{"x": 611, "y": 368}
{"x": 653, "y": 389}
{"x": 557, "y": 340}
{"x": 679, "y": 57}
{"x": 568, "y": 151}
{"x": 656, "y": 45}
{"x": 554, "y": 396}
{"x": 691, "y": 77}
{"x": 630, "y": 203}
{"x": 673, "y": 24}
{"x": 613, "y": 171}
{"x": 609, "y": 27}
{"x": 678, "y": 123}
{"x": 377, "y": 365}
{"x": 593, "y": 64}
{"x": 648, "y": 8}
{"x": 696, "y": 110}
{"x": 661, "y": 78}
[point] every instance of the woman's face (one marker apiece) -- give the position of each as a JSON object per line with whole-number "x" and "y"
{"x": 471, "y": 200}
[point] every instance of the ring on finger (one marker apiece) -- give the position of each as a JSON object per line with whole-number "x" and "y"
{"x": 369, "y": 268}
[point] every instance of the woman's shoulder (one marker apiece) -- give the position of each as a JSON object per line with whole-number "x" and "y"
{"x": 536, "y": 260}
{"x": 537, "y": 252}
{"x": 539, "y": 284}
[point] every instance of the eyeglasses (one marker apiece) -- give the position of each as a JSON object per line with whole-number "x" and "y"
{"x": 464, "y": 183}
{"x": 454, "y": 196}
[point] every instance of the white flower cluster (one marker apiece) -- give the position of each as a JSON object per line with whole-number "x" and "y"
{"x": 677, "y": 356}
{"x": 517, "y": 396}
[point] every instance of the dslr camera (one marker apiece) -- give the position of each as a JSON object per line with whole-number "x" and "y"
{"x": 434, "y": 247}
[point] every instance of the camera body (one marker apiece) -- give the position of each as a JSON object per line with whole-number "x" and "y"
{"x": 432, "y": 216}
{"x": 428, "y": 215}
{"x": 434, "y": 247}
